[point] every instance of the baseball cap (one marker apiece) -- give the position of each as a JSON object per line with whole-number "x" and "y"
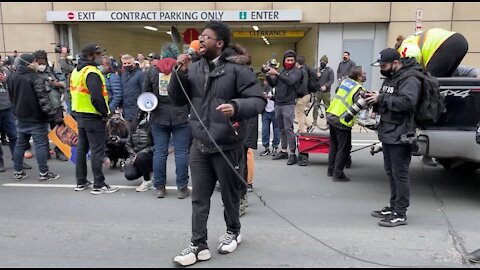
{"x": 154, "y": 56}
{"x": 91, "y": 48}
{"x": 387, "y": 55}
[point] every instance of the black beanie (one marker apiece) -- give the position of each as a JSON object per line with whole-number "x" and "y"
{"x": 26, "y": 59}
{"x": 290, "y": 53}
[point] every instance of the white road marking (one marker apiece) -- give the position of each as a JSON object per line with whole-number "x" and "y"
{"x": 67, "y": 186}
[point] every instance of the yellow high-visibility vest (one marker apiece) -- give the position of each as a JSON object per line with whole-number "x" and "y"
{"x": 428, "y": 42}
{"x": 344, "y": 99}
{"x": 81, "y": 99}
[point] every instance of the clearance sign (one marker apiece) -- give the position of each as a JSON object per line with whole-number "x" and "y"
{"x": 269, "y": 33}
{"x": 174, "y": 16}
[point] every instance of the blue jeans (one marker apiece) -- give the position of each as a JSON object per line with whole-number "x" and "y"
{"x": 181, "y": 141}
{"x": 7, "y": 124}
{"x": 267, "y": 118}
{"x": 39, "y": 132}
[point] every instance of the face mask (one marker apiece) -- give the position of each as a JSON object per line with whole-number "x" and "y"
{"x": 98, "y": 61}
{"x": 323, "y": 65}
{"x": 364, "y": 78}
{"x": 288, "y": 65}
{"x": 42, "y": 68}
{"x": 388, "y": 73}
{"x": 128, "y": 68}
{"x": 344, "y": 58}
{"x": 101, "y": 68}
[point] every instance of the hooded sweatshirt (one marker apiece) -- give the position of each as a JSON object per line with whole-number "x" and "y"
{"x": 156, "y": 81}
{"x": 286, "y": 83}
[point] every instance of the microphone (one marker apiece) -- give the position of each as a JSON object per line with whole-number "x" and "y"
{"x": 193, "y": 49}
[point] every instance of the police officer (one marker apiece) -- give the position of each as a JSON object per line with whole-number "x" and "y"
{"x": 90, "y": 108}
{"x": 395, "y": 104}
{"x": 341, "y": 128}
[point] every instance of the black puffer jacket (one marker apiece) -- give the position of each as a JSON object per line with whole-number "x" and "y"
{"x": 30, "y": 97}
{"x": 140, "y": 140}
{"x": 230, "y": 81}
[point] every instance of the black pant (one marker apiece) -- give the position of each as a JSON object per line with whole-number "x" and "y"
{"x": 339, "y": 151}
{"x": 143, "y": 166}
{"x": 116, "y": 151}
{"x": 397, "y": 158}
{"x": 449, "y": 55}
{"x": 91, "y": 136}
{"x": 206, "y": 169}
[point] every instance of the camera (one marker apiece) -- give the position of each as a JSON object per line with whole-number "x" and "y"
{"x": 273, "y": 63}
{"x": 58, "y": 48}
{"x": 360, "y": 104}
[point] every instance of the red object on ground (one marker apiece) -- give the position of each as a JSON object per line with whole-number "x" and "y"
{"x": 314, "y": 143}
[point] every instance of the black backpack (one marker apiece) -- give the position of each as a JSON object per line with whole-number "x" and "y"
{"x": 302, "y": 87}
{"x": 313, "y": 84}
{"x": 431, "y": 103}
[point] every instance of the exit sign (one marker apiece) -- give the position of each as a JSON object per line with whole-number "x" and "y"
{"x": 243, "y": 15}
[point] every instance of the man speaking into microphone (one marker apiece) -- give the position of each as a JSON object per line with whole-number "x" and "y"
{"x": 225, "y": 92}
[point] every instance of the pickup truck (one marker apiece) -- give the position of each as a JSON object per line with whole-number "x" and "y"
{"x": 453, "y": 140}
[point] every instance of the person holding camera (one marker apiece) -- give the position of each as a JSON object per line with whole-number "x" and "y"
{"x": 341, "y": 117}
{"x": 55, "y": 82}
{"x": 140, "y": 149}
{"x": 396, "y": 103}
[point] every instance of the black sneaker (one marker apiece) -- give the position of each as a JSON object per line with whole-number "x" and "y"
{"x": 2, "y": 167}
{"x": 281, "y": 155}
{"x": 249, "y": 188}
{"x": 292, "y": 159}
{"x": 385, "y": 212}
{"x": 266, "y": 152}
{"x": 274, "y": 151}
{"x": 83, "y": 186}
{"x": 229, "y": 242}
{"x": 105, "y": 189}
{"x": 18, "y": 176}
{"x": 47, "y": 176}
{"x": 341, "y": 179}
{"x": 330, "y": 173}
{"x": 393, "y": 220}
{"x": 474, "y": 257}
{"x": 191, "y": 255}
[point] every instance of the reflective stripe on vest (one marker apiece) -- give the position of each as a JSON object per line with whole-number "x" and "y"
{"x": 428, "y": 41}
{"x": 344, "y": 99}
{"x": 81, "y": 99}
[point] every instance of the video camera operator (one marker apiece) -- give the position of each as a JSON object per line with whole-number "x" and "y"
{"x": 341, "y": 120}
{"x": 55, "y": 83}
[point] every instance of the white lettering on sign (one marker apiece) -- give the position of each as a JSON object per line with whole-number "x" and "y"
{"x": 187, "y": 16}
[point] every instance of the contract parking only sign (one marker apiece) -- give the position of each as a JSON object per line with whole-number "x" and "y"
{"x": 174, "y": 16}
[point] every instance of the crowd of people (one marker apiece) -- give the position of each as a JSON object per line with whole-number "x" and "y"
{"x": 207, "y": 115}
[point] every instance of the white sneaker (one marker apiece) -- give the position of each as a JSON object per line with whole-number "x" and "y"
{"x": 229, "y": 242}
{"x": 146, "y": 185}
{"x": 191, "y": 255}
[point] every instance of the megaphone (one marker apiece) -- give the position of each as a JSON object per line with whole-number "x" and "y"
{"x": 147, "y": 102}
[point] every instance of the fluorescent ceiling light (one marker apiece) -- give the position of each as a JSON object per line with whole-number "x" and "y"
{"x": 255, "y": 28}
{"x": 169, "y": 32}
{"x": 151, "y": 28}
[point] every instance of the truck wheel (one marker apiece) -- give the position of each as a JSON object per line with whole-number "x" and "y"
{"x": 465, "y": 167}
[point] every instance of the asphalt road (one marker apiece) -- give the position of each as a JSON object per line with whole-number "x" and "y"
{"x": 308, "y": 220}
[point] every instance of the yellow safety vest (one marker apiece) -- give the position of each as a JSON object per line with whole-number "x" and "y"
{"x": 428, "y": 42}
{"x": 344, "y": 99}
{"x": 81, "y": 99}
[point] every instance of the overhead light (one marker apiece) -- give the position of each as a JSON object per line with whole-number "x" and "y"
{"x": 151, "y": 28}
{"x": 263, "y": 37}
{"x": 255, "y": 28}
{"x": 169, "y": 32}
